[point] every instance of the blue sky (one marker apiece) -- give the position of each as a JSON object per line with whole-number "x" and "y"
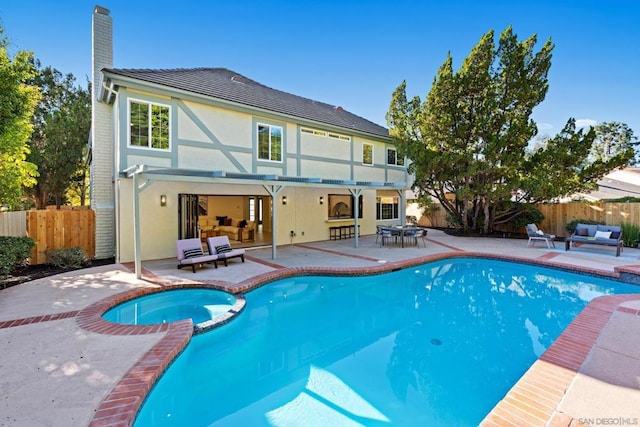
{"x": 352, "y": 53}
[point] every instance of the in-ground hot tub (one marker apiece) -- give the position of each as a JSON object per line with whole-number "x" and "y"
{"x": 198, "y": 304}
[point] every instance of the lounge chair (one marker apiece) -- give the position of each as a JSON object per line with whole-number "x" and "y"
{"x": 189, "y": 253}
{"x": 221, "y": 247}
{"x": 535, "y": 235}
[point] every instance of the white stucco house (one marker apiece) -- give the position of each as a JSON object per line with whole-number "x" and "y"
{"x": 175, "y": 148}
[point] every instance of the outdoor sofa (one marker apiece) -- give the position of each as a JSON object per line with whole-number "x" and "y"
{"x": 608, "y": 235}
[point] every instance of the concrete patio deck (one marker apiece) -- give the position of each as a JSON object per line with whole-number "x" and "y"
{"x": 61, "y": 366}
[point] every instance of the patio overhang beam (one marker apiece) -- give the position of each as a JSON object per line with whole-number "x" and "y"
{"x": 221, "y": 177}
{"x": 143, "y": 176}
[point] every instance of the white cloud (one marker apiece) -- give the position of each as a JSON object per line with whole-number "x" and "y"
{"x": 544, "y": 126}
{"x": 583, "y": 123}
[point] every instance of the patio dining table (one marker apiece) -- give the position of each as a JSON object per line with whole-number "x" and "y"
{"x": 400, "y": 231}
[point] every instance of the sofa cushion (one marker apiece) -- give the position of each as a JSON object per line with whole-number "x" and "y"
{"x": 193, "y": 253}
{"x": 581, "y": 231}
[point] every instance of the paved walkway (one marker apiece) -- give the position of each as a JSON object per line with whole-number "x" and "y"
{"x": 61, "y": 365}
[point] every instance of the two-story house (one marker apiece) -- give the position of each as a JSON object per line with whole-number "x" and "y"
{"x": 173, "y": 149}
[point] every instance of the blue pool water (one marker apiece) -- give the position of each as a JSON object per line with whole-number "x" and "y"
{"x": 434, "y": 345}
{"x": 200, "y": 305}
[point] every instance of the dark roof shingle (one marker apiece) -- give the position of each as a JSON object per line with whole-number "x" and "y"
{"x": 227, "y": 85}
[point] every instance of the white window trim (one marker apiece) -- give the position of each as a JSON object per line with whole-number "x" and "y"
{"x": 339, "y": 136}
{"x": 324, "y": 134}
{"x": 395, "y": 201}
{"x": 314, "y": 132}
{"x": 396, "y": 156}
{"x": 149, "y": 103}
{"x": 270, "y": 126}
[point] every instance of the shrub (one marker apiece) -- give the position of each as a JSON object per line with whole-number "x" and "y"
{"x": 14, "y": 253}
{"x": 626, "y": 199}
{"x": 74, "y": 257}
{"x": 571, "y": 226}
{"x": 529, "y": 214}
{"x": 630, "y": 234}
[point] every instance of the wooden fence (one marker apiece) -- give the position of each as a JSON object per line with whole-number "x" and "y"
{"x": 54, "y": 229}
{"x": 558, "y": 215}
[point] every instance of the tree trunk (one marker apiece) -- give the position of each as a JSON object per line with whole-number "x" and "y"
{"x": 487, "y": 217}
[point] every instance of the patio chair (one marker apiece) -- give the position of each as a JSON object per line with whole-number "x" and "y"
{"x": 386, "y": 235}
{"x": 378, "y": 232}
{"x": 422, "y": 235}
{"x": 538, "y": 235}
{"x": 220, "y": 246}
{"x": 413, "y": 234}
{"x": 189, "y": 253}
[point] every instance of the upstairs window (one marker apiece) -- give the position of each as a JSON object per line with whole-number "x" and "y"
{"x": 269, "y": 143}
{"x": 393, "y": 158}
{"x": 367, "y": 154}
{"x": 313, "y": 132}
{"x": 324, "y": 134}
{"x": 148, "y": 125}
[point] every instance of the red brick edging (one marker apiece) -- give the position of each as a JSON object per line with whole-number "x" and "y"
{"x": 534, "y": 399}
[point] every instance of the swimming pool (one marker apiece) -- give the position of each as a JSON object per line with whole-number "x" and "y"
{"x": 200, "y": 305}
{"x": 436, "y": 344}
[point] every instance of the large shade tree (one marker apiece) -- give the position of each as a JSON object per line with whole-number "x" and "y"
{"x": 612, "y": 139}
{"x": 62, "y": 124}
{"x": 468, "y": 142}
{"x": 18, "y": 100}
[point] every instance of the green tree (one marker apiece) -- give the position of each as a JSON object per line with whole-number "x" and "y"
{"x": 58, "y": 145}
{"x": 612, "y": 139}
{"x": 470, "y": 137}
{"x": 18, "y": 100}
{"x": 563, "y": 166}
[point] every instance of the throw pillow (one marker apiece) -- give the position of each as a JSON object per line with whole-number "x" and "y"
{"x": 540, "y": 233}
{"x": 223, "y": 248}
{"x": 228, "y": 221}
{"x": 615, "y": 235}
{"x": 193, "y": 253}
{"x": 582, "y": 232}
{"x": 602, "y": 234}
{"x": 243, "y": 223}
{"x": 221, "y": 219}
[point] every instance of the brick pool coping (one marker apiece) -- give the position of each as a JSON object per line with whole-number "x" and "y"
{"x": 531, "y": 401}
